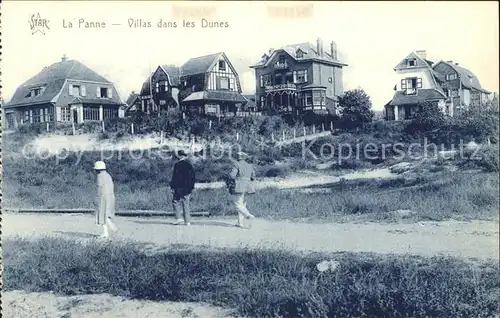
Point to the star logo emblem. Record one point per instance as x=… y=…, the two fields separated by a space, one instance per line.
x=37 y=24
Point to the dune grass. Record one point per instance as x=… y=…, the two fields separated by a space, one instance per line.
x=436 y=196
x=258 y=283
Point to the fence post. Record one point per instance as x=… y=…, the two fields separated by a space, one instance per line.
x=103 y=128
x=237 y=136
x=132 y=128
x=331 y=125
x=304 y=129
x=323 y=127
x=48 y=127
x=314 y=129
x=210 y=124
x=73 y=126
x=284 y=137
x=161 y=137
x=294 y=133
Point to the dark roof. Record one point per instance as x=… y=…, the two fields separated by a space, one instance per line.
x=132 y=99
x=145 y=89
x=422 y=95
x=468 y=79
x=52 y=79
x=310 y=53
x=174 y=74
x=199 y=65
x=103 y=101
x=216 y=96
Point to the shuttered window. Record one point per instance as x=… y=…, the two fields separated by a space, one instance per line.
x=419 y=82
x=403 y=84
x=98 y=92
x=70 y=87
x=261 y=81
x=83 y=90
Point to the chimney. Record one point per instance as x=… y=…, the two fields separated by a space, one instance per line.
x=271 y=50
x=456 y=64
x=450 y=61
x=64 y=58
x=422 y=54
x=333 y=50
x=319 y=46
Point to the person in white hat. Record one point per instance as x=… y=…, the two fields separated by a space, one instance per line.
x=242 y=176
x=106 y=208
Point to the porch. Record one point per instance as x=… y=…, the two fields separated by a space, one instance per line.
x=86 y=110
x=214 y=103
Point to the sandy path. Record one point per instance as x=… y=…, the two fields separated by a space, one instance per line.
x=475 y=239
x=19 y=304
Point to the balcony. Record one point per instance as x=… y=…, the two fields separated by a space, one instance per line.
x=281 y=65
x=280 y=87
x=411 y=91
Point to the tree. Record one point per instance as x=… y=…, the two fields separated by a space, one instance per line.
x=356 y=109
x=428 y=119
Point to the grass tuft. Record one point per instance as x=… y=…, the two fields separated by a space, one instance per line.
x=258 y=283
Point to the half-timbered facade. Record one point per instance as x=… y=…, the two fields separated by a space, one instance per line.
x=211 y=86
x=298 y=79
x=448 y=85
x=63 y=92
x=160 y=91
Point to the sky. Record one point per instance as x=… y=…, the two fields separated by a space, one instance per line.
x=371 y=37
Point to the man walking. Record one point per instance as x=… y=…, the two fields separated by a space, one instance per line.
x=182 y=185
x=106 y=196
x=242 y=175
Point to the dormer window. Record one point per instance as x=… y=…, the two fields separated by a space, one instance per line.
x=35 y=92
x=299 y=53
x=412 y=62
x=222 y=65
x=451 y=77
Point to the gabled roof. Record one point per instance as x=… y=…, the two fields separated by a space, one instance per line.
x=52 y=79
x=468 y=79
x=419 y=62
x=309 y=54
x=422 y=95
x=201 y=64
x=174 y=74
x=132 y=99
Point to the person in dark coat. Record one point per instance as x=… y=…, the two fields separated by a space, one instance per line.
x=182 y=185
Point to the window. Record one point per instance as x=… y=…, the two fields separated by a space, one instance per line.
x=65 y=113
x=447 y=92
x=316 y=98
x=224 y=82
x=451 y=77
x=222 y=65
x=309 y=99
x=34 y=92
x=300 y=76
x=162 y=87
x=90 y=113
x=232 y=84
x=36 y=115
x=265 y=80
x=281 y=62
x=109 y=113
x=104 y=92
x=300 y=53
x=412 y=62
x=76 y=90
x=262 y=101
x=26 y=116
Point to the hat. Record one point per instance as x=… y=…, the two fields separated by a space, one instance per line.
x=100 y=165
x=241 y=155
x=181 y=153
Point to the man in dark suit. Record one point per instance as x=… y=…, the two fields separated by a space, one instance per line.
x=182 y=184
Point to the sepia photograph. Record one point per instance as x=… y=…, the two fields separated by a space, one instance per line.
x=280 y=159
